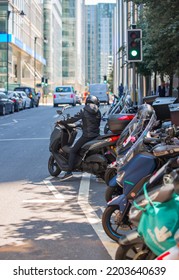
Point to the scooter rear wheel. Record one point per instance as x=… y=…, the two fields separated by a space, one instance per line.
x=112 y=224
x=53 y=168
x=138 y=251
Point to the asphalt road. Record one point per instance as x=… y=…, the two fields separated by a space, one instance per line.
x=41 y=217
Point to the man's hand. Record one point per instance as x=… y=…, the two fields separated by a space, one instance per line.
x=60 y=122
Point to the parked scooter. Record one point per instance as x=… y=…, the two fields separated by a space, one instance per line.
x=123 y=107
x=132 y=245
x=93 y=157
x=131 y=177
x=129 y=136
x=159 y=135
x=116 y=106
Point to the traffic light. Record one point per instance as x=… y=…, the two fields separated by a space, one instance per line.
x=46 y=82
x=134 y=45
x=105 y=79
x=42 y=81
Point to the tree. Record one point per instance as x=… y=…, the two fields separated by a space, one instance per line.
x=159 y=21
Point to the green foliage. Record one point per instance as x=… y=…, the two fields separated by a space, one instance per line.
x=110 y=81
x=159 y=21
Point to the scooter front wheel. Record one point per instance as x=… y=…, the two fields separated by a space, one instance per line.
x=112 y=192
x=53 y=167
x=138 y=251
x=106 y=128
x=109 y=174
x=113 y=226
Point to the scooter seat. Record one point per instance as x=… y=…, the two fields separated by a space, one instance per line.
x=106 y=136
x=100 y=141
x=163 y=150
x=89 y=143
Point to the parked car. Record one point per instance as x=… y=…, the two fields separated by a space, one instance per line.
x=25 y=99
x=31 y=93
x=64 y=95
x=6 y=104
x=18 y=104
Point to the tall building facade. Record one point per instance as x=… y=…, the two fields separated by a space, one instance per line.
x=52 y=11
x=72 y=43
x=21 y=43
x=99 y=42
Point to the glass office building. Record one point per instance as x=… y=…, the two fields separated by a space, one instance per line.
x=73 y=43
x=21 y=43
x=69 y=41
x=52 y=12
x=99 y=42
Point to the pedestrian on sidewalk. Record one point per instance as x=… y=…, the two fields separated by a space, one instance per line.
x=161 y=89
x=39 y=95
x=121 y=90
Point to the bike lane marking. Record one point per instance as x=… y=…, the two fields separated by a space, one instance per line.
x=92 y=217
x=22 y=139
x=12 y=122
x=59 y=197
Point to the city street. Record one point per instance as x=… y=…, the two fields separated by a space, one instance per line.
x=41 y=217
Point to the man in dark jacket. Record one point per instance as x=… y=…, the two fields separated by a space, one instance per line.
x=91 y=118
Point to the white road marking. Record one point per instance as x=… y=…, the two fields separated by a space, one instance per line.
x=54 y=190
x=91 y=216
x=59 y=197
x=89 y=212
x=13 y=121
x=22 y=139
x=43 y=201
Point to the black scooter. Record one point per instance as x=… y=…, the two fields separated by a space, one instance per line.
x=94 y=156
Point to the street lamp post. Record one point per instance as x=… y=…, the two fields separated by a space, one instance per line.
x=7 y=52
x=35 y=44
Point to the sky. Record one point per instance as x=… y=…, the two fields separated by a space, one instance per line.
x=94 y=2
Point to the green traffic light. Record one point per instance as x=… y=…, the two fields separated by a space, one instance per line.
x=134 y=53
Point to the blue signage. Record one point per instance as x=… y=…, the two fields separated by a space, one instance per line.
x=4 y=37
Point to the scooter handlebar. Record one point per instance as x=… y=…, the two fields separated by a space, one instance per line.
x=151 y=140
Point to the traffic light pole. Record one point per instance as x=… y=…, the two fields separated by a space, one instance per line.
x=35 y=44
x=134 y=83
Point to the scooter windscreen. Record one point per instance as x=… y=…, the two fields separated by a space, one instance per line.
x=134 y=134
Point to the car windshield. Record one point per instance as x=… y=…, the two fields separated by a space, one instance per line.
x=20 y=89
x=26 y=90
x=63 y=89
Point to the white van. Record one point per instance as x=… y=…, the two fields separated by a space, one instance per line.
x=64 y=95
x=100 y=91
